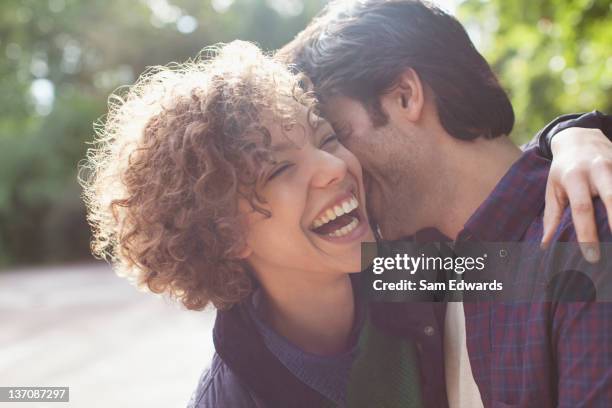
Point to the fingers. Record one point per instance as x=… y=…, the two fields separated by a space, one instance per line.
x=583 y=215
x=581 y=169
x=602 y=184
x=553 y=210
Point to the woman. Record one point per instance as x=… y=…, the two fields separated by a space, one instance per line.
x=215 y=182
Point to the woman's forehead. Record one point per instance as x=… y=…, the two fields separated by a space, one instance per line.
x=294 y=131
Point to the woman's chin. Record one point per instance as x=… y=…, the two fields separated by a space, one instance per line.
x=354 y=262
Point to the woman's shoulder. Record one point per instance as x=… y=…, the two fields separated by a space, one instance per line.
x=220 y=387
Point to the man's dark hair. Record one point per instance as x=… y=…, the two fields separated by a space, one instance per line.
x=360 y=51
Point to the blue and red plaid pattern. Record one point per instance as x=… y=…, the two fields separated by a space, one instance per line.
x=537 y=354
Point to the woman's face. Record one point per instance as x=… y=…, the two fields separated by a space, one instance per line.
x=315 y=194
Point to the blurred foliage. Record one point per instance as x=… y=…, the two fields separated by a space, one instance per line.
x=552 y=56
x=60 y=59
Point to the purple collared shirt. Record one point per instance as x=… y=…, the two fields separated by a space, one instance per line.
x=536 y=354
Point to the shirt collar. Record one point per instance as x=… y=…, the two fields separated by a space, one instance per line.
x=514 y=203
x=328 y=375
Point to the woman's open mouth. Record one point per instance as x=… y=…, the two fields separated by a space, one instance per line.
x=339 y=220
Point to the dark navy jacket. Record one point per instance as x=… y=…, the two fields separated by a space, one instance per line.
x=245 y=373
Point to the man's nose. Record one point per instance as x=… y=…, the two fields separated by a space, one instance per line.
x=328 y=170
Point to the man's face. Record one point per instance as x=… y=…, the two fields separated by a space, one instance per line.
x=391 y=163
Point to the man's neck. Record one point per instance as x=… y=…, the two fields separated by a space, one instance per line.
x=314 y=315
x=460 y=179
x=470 y=172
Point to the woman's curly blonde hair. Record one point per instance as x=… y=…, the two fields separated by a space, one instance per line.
x=169 y=163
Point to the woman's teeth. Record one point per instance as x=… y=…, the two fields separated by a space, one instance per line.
x=338 y=220
x=346 y=229
x=337 y=210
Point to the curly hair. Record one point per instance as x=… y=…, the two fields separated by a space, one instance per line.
x=169 y=163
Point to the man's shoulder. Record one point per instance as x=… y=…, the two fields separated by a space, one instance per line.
x=220 y=387
x=571 y=276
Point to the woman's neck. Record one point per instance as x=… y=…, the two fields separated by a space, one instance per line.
x=317 y=318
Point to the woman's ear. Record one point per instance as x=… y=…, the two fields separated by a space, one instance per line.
x=244 y=253
x=407 y=98
x=245 y=210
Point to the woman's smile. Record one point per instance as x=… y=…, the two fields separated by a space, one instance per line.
x=342 y=220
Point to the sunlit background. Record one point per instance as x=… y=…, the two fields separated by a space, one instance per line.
x=65 y=320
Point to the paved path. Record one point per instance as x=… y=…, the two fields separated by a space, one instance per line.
x=82 y=326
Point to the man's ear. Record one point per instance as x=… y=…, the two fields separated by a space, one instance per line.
x=407 y=98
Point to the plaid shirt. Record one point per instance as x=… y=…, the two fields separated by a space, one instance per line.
x=536 y=354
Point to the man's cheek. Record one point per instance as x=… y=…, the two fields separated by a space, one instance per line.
x=365 y=159
x=367 y=181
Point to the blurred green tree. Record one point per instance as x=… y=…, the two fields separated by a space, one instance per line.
x=60 y=59
x=552 y=56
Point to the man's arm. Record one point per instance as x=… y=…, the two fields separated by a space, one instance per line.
x=591 y=120
x=581 y=169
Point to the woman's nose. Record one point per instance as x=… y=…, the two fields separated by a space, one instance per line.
x=328 y=170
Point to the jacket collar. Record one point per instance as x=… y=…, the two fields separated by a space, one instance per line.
x=241 y=347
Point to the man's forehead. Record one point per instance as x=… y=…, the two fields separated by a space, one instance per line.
x=345 y=113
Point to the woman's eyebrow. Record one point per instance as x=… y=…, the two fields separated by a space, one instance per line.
x=281 y=147
x=342 y=129
x=318 y=122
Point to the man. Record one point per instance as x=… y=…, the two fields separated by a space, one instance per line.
x=409 y=94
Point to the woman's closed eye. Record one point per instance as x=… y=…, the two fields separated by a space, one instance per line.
x=329 y=140
x=278 y=170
